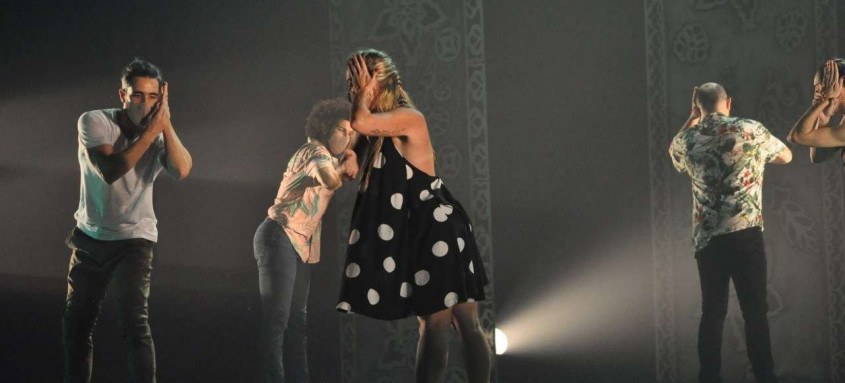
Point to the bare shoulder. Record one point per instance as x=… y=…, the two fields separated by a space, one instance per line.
x=408 y=114
x=411 y=118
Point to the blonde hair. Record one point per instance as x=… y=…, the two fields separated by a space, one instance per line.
x=392 y=95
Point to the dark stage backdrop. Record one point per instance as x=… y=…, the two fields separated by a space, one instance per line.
x=439 y=49
x=551 y=121
x=243 y=77
x=765 y=53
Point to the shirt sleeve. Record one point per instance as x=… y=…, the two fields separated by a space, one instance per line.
x=678 y=152
x=317 y=159
x=770 y=146
x=94 y=129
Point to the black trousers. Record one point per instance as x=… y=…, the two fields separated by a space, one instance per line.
x=93 y=265
x=739 y=256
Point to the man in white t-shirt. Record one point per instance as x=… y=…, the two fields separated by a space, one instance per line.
x=121 y=152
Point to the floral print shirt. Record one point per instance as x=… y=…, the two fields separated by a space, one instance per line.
x=725 y=157
x=301 y=200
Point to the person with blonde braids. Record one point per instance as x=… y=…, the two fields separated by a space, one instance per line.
x=815 y=127
x=411 y=248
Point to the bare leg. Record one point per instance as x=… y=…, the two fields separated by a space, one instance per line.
x=476 y=349
x=433 y=347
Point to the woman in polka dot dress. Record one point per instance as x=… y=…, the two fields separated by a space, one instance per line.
x=411 y=247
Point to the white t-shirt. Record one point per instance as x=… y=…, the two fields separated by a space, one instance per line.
x=123 y=209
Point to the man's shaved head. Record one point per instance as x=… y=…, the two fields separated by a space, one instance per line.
x=708 y=96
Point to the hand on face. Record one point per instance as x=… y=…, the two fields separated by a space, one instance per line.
x=817 y=94
x=832 y=81
x=363 y=83
x=140 y=99
x=159 y=117
x=695 y=111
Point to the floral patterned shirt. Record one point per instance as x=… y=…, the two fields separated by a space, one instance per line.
x=301 y=200
x=725 y=157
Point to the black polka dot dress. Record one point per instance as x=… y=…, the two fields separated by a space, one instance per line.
x=411 y=247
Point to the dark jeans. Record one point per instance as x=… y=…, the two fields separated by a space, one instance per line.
x=739 y=256
x=93 y=264
x=283 y=279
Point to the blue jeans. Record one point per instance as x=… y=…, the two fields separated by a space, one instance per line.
x=283 y=280
x=127 y=264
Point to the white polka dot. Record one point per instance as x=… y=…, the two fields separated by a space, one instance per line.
x=440 y=249
x=385 y=232
x=450 y=299
x=441 y=213
x=408 y=172
x=425 y=195
x=470 y=300
x=354 y=236
x=372 y=297
x=436 y=184
x=461 y=244
x=421 y=278
x=353 y=270
x=396 y=200
x=405 y=290
x=471 y=268
x=344 y=306
x=389 y=264
x=379 y=161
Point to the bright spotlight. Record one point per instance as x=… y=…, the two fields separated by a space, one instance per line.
x=501 y=342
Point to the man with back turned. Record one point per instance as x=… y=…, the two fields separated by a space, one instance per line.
x=725 y=157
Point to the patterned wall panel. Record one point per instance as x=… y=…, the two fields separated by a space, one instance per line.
x=765 y=53
x=439 y=48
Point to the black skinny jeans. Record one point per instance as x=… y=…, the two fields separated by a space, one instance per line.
x=93 y=265
x=739 y=256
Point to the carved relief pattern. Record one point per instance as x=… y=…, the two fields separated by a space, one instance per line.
x=765 y=56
